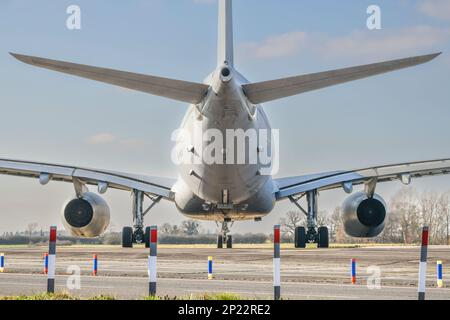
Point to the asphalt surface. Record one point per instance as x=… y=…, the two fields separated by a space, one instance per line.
x=306 y=274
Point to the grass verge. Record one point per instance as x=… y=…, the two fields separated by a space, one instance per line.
x=67 y=297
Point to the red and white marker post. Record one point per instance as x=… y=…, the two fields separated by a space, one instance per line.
x=152 y=271
x=423 y=264
x=51 y=261
x=276 y=263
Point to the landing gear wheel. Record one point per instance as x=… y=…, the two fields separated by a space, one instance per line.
x=229 y=242
x=323 y=238
x=147 y=237
x=127 y=237
x=219 y=241
x=300 y=237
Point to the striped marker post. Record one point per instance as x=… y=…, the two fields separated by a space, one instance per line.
x=440 y=282
x=95 y=265
x=46 y=263
x=210 y=268
x=353 y=271
x=423 y=264
x=276 y=263
x=2 y=262
x=51 y=261
x=152 y=271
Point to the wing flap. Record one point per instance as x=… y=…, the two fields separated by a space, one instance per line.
x=276 y=89
x=184 y=91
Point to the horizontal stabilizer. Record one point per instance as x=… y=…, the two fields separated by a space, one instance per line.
x=173 y=89
x=276 y=89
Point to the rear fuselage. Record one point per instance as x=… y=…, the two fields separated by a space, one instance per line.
x=224 y=151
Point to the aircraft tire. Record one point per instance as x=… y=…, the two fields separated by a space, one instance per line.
x=229 y=242
x=219 y=241
x=324 y=238
x=127 y=237
x=300 y=237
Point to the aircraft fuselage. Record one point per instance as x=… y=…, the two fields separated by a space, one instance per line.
x=215 y=181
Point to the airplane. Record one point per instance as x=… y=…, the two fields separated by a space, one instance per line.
x=225 y=191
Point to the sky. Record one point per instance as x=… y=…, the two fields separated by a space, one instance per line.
x=50 y=117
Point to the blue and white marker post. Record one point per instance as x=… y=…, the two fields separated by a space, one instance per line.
x=152 y=271
x=94 y=265
x=210 y=268
x=276 y=263
x=423 y=264
x=51 y=261
x=440 y=281
x=353 y=271
x=2 y=262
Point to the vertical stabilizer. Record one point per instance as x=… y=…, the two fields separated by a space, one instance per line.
x=225 y=47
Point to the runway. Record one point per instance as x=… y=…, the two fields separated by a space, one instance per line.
x=306 y=274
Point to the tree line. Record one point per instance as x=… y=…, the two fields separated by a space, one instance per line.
x=188 y=232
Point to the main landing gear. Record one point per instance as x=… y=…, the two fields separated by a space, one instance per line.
x=137 y=234
x=311 y=234
x=224 y=238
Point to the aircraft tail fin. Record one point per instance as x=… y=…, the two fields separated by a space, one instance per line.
x=225 y=45
x=169 y=88
x=276 y=89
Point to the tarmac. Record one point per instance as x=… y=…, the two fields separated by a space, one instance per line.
x=383 y=273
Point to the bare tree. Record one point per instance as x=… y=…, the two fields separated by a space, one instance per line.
x=447 y=218
x=167 y=229
x=405 y=217
x=190 y=227
x=336 y=228
x=430 y=214
x=442 y=225
x=323 y=220
x=31 y=228
x=410 y=211
x=291 y=221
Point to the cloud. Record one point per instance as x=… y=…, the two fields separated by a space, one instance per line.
x=278 y=46
x=101 y=138
x=387 y=43
x=439 y=9
x=360 y=43
x=110 y=139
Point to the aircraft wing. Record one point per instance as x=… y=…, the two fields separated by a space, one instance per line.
x=169 y=88
x=122 y=181
x=404 y=172
x=276 y=89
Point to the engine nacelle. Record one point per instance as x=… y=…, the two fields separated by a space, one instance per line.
x=86 y=217
x=364 y=217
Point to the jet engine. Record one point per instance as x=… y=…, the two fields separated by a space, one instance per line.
x=86 y=217
x=364 y=217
